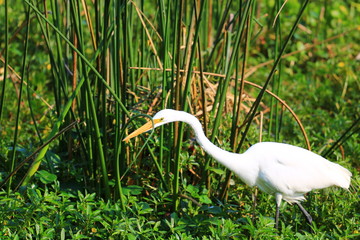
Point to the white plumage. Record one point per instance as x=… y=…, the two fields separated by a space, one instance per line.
x=282 y=170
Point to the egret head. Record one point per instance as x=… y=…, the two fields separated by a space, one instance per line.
x=160 y=118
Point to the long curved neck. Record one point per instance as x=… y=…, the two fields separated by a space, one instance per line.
x=240 y=164
x=222 y=156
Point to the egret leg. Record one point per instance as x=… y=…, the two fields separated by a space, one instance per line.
x=307 y=215
x=278 y=198
x=254 y=195
x=277 y=216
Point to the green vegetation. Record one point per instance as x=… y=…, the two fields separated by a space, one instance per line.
x=81 y=72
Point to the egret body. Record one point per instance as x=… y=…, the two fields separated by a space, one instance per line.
x=287 y=172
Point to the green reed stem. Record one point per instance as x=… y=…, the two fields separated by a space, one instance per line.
x=184 y=103
x=238 y=100
x=13 y=153
x=177 y=130
x=271 y=74
x=347 y=134
x=229 y=71
x=6 y=8
x=67 y=106
x=276 y=83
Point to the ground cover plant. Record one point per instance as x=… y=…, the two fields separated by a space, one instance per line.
x=80 y=75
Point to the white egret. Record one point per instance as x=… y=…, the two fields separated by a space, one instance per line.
x=287 y=172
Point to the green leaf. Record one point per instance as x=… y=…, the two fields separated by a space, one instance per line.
x=132 y=190
x=217 y=170
x=46 y=177
x=204 y=199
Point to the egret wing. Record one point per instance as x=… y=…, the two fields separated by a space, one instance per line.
x=293 y=171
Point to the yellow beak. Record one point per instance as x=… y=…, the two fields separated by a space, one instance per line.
x=146 y=127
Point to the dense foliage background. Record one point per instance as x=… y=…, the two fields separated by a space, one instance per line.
x=80 y=73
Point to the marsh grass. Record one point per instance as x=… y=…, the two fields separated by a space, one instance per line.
x=250 y=71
